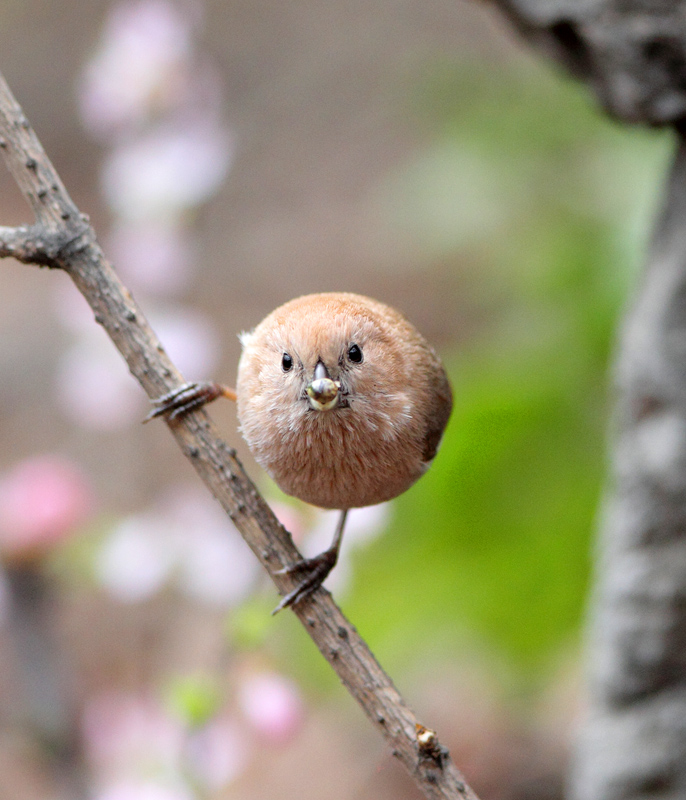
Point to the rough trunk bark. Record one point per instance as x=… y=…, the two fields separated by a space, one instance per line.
x=633 y=744
x=632 y=53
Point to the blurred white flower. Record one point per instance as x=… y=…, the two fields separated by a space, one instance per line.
x=145 y=789
x=189 y=338
x=127 y=734
x=215 y=565
x=362 y=525
x=159 y=103
x=140 y=66
x=218 y=568
x=272 y=704
x=218 y=753
x=94 y=387
x=129 y=737
x=96 y=390
x=136 y=559
x=365 y=524
x=152 y=256
x=168 y=170
x=186 y=537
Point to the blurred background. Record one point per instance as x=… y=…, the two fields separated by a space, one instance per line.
x=233 y=155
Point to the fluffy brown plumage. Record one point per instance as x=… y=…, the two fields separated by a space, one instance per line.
x=341 y=400
x=393 y=405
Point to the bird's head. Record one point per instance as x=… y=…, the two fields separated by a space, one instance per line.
x=318 y=366
x=319 y=354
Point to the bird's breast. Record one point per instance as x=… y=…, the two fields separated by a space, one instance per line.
x=340 y=458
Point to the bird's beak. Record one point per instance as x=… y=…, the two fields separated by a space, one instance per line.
x=323 y=393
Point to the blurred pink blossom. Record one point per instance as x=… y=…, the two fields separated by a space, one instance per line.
x=42 y=501
x=128 y=737
x=215 y=564
x=96 y=390
x=127 y=733
x=153 y=256
x=292 y=518
x=218 y=753
x=140 y=67
x=159 y=104
x=94 y=387
x=272 y=705
x=190 y=338
x=218 y=567
x=168 y=170
x=71 y=308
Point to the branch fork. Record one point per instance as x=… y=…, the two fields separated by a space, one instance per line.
x=33 y=244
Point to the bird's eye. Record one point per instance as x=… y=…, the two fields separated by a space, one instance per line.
x=355 y=354
x=286 y=362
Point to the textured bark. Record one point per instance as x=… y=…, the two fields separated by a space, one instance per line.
x=632 y=53
x=633 y=743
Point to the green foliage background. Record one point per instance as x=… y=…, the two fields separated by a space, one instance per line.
x=549 y=205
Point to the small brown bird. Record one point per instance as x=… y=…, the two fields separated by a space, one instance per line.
x=341 y=400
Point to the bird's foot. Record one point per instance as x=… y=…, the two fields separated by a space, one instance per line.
x=315 y=571
x=188 y=397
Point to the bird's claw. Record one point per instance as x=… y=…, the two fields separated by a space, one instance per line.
x=186 y=398
x=317 y=569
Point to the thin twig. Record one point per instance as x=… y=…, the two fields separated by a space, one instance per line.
x=63 y=238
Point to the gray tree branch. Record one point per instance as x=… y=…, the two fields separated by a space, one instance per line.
x=631 y=53
x=62 y=238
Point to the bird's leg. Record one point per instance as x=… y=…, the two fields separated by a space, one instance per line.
x=316 y=569
x=188 y=397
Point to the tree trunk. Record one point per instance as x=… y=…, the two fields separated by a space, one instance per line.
x=632 y=745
